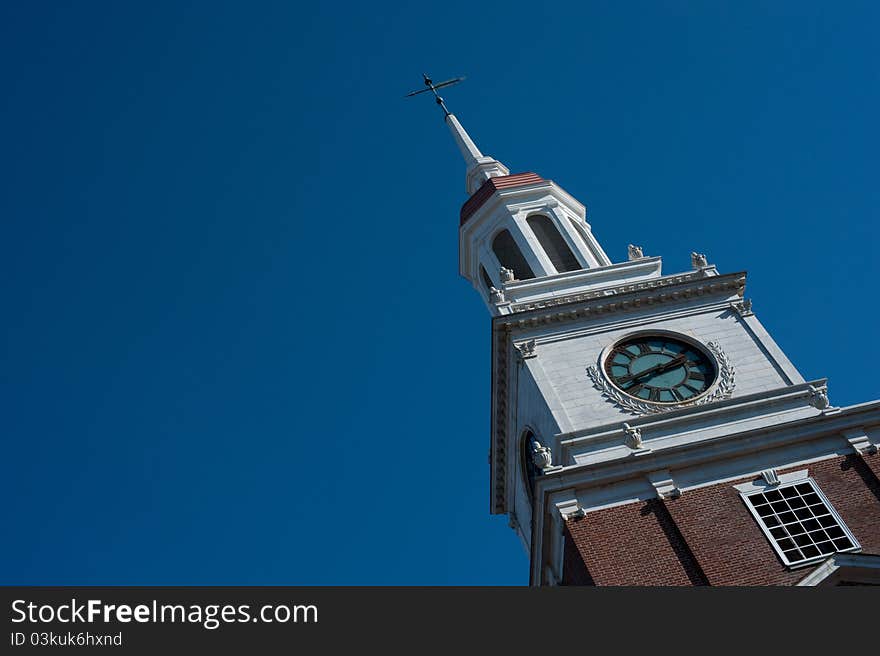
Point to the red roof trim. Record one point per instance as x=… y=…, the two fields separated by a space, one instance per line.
x=492 y=185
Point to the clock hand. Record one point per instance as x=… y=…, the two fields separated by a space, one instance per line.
x=663 y=366
x=674 y=362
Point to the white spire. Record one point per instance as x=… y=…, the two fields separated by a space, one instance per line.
x=479 y=167
x=465 y=144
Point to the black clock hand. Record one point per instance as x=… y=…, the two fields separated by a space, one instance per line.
x=663 y=366
x=674 y=362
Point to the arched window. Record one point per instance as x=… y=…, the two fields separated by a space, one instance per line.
x=486 y=279
x=553 y=244
x=530 y=469
x=510 y=256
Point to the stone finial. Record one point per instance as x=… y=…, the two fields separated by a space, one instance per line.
x=507 y=275
x=541 y=456
x=634 y=252
x=698 y=260
x=819 y=397
x=633 y=436
x=496 y=295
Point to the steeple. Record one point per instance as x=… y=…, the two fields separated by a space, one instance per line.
x=466 y=145
x=519 y=228
x=479 y=167
x=523 y=239
x=645 y=428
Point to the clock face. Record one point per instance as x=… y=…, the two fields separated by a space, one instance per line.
x=659 y=369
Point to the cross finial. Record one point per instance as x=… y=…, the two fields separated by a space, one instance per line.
x=479 y=167
x=429 y=83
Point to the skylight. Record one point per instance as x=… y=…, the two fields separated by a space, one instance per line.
x=800 y=523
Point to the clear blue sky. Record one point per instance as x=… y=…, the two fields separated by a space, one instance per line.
x=236 y=348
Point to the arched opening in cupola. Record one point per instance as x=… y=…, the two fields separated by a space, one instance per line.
x=510 y=256
x=553 y=243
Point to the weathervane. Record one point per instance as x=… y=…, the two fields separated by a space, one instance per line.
x=433 y=87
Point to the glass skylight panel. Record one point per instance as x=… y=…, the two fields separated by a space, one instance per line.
x=801 y=524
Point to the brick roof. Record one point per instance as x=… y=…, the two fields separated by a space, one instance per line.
x=492 y=185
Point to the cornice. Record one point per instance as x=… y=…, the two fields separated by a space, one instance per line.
x=625 y=321
x=623 y=297
x=680 y=420
x=582 y=281
x=720 y=447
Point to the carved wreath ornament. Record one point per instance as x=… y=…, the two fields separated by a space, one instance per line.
x=724 y=387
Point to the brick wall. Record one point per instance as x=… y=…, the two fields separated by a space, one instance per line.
x=635 y=544
x=708 y=536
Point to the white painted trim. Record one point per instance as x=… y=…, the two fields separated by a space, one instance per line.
x=760 y=485
x=622 y=296
x=562 y=506
x=824 y=431
x=663 y=484
x=638 y=489
x=860 y=442
x=869 y=564
x=629 y=322
x=589 y=279
x=578 y=246
x=678 y=420
x=583 y=230
x=774 y=353
x=533 y=253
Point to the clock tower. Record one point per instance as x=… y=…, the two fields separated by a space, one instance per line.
x=645 y=427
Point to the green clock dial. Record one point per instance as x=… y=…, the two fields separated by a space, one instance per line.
x=659 y=369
